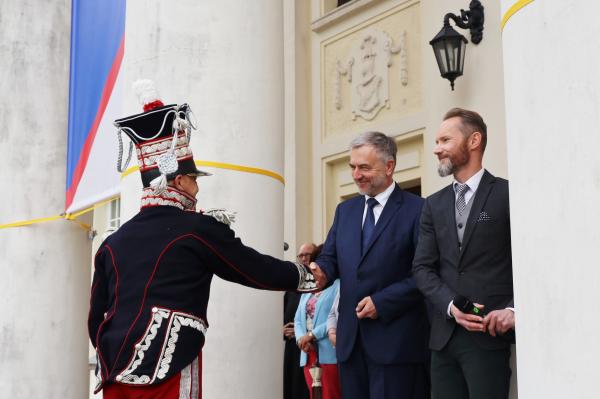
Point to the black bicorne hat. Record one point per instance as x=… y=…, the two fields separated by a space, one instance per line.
x=161 y=136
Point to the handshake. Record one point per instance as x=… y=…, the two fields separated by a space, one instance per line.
x=319 y=276
x=312 y=278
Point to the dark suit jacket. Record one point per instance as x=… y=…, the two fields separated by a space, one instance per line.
x=151 y=287
x=400 y=333
x=480 y=271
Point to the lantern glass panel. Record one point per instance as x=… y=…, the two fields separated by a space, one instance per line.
x=439 y=50
x=456 y=54
x=463 y=47
x=452 y=55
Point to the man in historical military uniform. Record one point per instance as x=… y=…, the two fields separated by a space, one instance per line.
x=152 y=276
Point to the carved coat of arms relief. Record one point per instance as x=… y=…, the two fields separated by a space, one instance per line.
x=367 y=71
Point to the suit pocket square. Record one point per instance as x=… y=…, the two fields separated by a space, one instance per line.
x=484 y=217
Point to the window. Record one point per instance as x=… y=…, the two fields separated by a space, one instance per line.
x=114 y=215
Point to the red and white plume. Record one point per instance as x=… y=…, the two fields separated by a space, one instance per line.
x=147 y=94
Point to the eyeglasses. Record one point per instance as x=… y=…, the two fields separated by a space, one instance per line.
x=303 y=255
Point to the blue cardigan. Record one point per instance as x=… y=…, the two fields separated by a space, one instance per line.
x=323 y=306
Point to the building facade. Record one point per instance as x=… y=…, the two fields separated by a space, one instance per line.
x=279 y=88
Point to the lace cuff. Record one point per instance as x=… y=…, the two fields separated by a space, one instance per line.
x=307 y=281
x=222 y=215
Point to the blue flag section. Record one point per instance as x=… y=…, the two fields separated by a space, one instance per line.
x=97 y=48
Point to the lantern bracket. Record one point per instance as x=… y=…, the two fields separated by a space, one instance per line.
x=469 y=19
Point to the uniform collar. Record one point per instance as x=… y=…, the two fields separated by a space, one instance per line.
x=170 y=197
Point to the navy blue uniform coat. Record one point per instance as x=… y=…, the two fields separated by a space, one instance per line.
x=151 y=287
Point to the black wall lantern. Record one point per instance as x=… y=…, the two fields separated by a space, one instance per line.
x=449 y=46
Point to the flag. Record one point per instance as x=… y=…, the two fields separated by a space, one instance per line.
x=97 y=48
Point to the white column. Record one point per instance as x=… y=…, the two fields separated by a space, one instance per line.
x=44 y=267
x=225 y=58
x=551 y=64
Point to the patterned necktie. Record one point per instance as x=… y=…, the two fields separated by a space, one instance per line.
x=461 y=189
x=369 y=224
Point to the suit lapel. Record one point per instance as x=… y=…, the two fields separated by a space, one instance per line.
x=481 y=196
x=389 y=210
x=355 y=229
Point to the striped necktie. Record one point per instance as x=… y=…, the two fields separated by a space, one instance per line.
x=369 y=224
x=461 y=189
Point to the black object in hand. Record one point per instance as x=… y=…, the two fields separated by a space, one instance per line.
x=466 y=306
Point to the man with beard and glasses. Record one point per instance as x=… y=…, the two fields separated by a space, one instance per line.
x=463 y=267
x=382 y=328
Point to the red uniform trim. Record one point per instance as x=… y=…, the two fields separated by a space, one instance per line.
x=150 y=320
x=104 y=368
x=146 y=168
x=168 y=389
x=186 y=314
x=94 y=286
x=231 y=265
x=145 y=143
x=148 y=143
x=169 y=245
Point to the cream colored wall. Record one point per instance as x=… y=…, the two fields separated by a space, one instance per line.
x=337 y=37
x=420 y=104
x=480 y=88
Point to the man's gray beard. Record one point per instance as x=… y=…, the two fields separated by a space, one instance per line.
x=445 y=169
x=377 y=183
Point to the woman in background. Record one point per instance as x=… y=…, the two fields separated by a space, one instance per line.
x=294 y=384
x=310 y=326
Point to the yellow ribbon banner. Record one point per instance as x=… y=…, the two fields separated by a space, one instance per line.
x=513 y=10
x=223 y=165
x=72 y=217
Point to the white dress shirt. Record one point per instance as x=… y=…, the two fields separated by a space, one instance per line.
x=472 y=183
x=382 y=198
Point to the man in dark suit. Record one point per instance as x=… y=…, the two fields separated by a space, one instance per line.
x=382 y=327
x=464 y=254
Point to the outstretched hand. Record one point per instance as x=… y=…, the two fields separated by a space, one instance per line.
x=318 y=274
